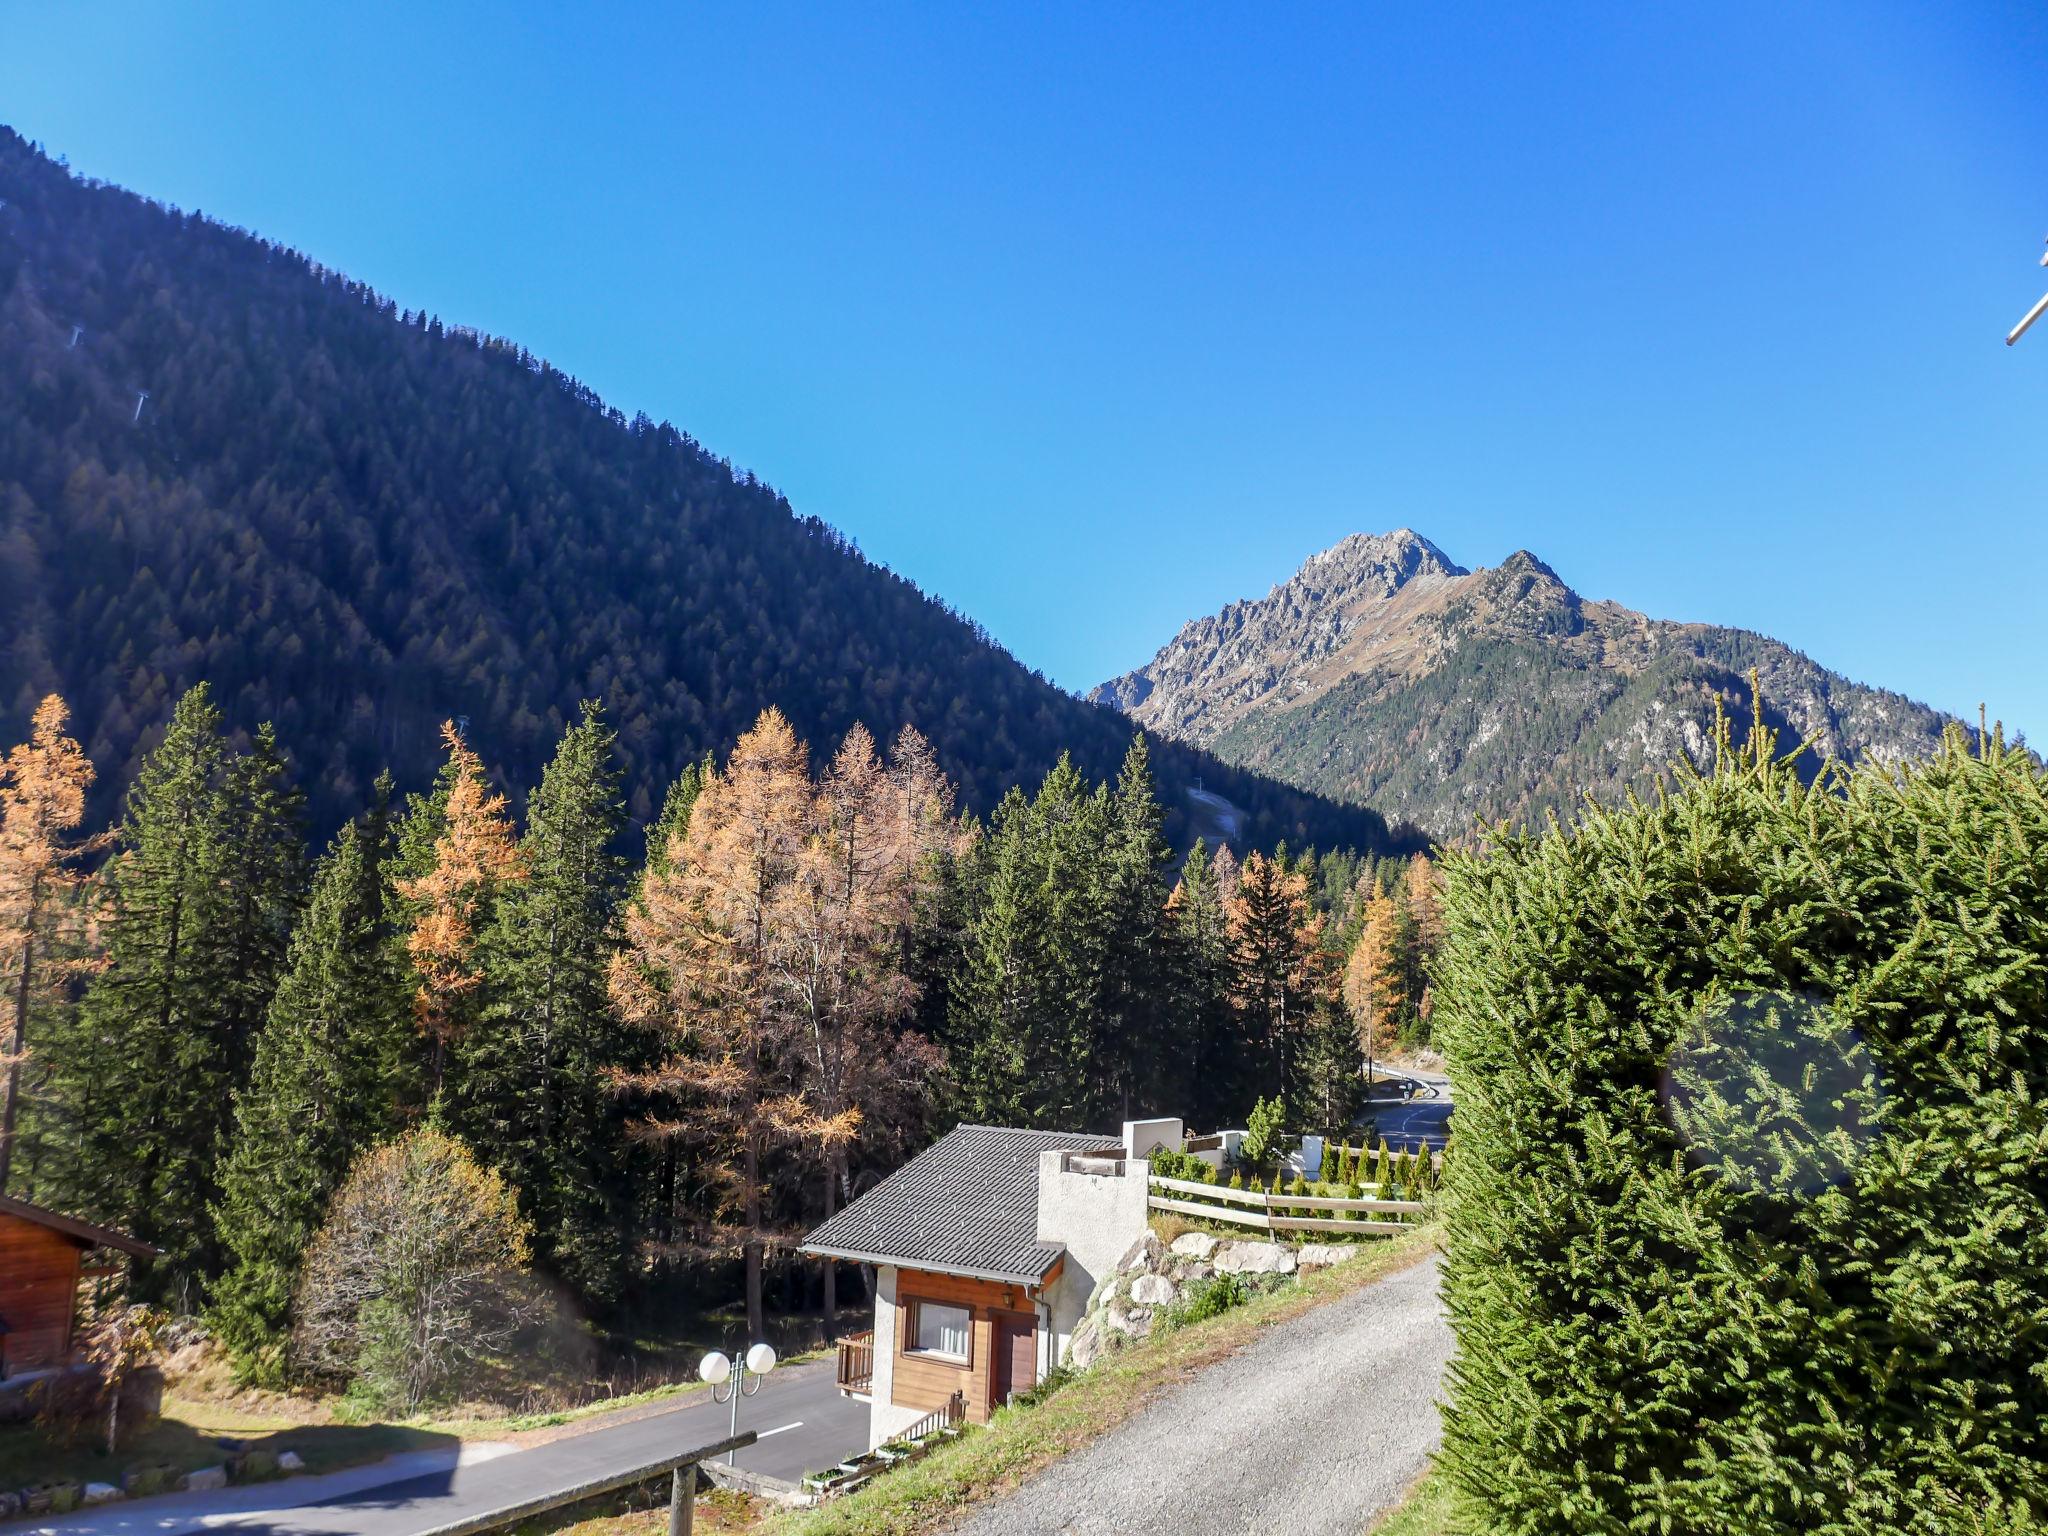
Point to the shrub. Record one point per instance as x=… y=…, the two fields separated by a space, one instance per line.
x=1237 y=1178
x=1207 y=1298
x=1748 y=1225
x=1260 y=1148
x=1182 y=1165
x=419 y=1271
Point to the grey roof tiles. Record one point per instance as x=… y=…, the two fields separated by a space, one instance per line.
x=967 y=1204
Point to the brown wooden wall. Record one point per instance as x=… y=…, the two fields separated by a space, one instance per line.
x=923 y=1382
x=38 y=1293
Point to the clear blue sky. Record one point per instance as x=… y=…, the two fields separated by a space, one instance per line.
x=1093 y=318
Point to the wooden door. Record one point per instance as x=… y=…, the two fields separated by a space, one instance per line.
x=1015 y=1366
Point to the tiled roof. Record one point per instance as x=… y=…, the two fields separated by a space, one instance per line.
x=967 y=1205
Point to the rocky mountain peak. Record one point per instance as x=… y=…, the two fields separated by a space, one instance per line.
x=1369 y=564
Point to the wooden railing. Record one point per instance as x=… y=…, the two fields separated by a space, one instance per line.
x=1256 y=1208
x=945 y=1416
x=857 y=1362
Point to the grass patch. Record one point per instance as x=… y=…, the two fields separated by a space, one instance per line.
x=1430 y=1509
x=27 y=1456
x=1019 y=1441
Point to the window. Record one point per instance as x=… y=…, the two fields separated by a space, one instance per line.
x=937 y=1329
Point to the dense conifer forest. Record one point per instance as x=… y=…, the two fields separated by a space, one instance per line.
x=222 y=462
x=663 y=1069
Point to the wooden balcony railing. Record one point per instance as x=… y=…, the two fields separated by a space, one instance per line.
x=857 y=1363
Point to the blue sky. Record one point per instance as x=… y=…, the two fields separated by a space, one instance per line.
x=1094 y=318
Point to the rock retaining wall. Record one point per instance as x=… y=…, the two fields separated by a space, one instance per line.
x=1152 y=1276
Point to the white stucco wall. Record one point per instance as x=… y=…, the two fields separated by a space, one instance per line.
x=1144 y=1137
x=886 y=1419
x=1097 y=1217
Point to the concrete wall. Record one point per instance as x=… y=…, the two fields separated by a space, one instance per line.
x=1097 y=1217
x=1144 y=1137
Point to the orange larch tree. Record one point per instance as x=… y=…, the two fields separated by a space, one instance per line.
x=474 y=855
x=700 y=966
x=1373 y=990
x=43 y=784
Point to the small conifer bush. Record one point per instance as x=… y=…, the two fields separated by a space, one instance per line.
x=1748 y=1224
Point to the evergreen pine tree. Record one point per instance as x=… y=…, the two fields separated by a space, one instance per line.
x=1132 y=1037
x=162 y=1039
x=995 y=1000
x=317 y=1095
x=1209 y=1073
x=531 y=1082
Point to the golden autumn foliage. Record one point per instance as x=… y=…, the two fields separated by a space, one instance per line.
x=43 y=785
x=474 y=855
x=1373 y=991
x=767 y=950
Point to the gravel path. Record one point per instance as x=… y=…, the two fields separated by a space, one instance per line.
x=1317 y=1427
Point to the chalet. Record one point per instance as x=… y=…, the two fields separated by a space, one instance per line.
x=42 y=1257
x=985 y=1248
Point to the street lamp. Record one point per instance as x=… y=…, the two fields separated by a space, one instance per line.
x=2031 y=316
x=730 y=1380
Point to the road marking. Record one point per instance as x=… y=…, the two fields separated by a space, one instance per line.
x=778 y=1429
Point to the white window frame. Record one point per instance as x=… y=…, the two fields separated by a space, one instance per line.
x=916 y=1320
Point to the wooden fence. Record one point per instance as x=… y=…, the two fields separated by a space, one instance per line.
x=1256 y=1208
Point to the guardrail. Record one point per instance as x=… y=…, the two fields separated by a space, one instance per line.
x=1219 y=1202
x=682 y=1492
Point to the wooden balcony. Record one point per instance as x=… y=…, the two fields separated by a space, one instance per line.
x=857 y=1363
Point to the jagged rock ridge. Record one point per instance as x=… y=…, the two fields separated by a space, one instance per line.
x=1385 y=673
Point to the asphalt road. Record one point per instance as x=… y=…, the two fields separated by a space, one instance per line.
x=1316 y=1428
x=803 y=1422
x=1401 y=1123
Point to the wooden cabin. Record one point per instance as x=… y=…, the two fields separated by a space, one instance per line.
x=985 y=1248
x=43 y=1255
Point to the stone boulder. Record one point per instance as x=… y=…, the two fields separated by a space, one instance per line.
x=1136 y=1323
x=1314 y=1256
x=1195 y=1245
x=290 y=1461
x=1086 y=1343
x=204 y=1479
x=100 y=1493
x=1146 y=1253
x=1152 y=1291
x=1255 y=1259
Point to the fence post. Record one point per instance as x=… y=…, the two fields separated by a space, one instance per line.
x=682 y=1500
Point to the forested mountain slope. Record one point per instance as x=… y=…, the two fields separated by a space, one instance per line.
x=356 y=522
x=1384 y=673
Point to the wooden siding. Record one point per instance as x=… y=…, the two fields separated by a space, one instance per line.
x=38 y=1293
x=924 y=1381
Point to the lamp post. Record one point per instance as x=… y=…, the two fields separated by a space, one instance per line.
x=730 y=1379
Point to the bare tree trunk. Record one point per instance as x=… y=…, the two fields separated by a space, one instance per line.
x=20 y=1044
x=755 y=1320
x=831 y=1302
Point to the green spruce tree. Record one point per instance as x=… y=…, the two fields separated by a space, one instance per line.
x=532 y=1087
x=1133 y=1038
x=318 y=1094
x=164 y=1029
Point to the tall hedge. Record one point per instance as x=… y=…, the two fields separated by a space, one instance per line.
x=1746 y=1227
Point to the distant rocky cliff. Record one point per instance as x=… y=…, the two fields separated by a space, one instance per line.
x=1384 y=673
